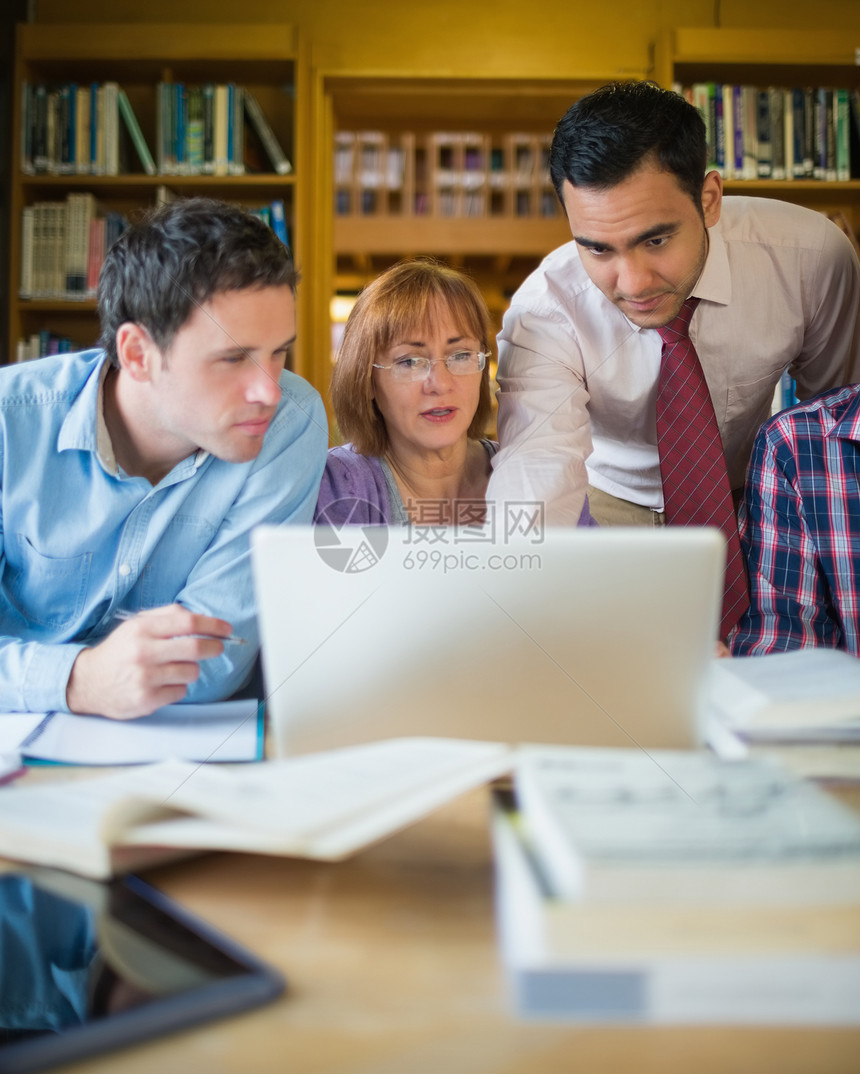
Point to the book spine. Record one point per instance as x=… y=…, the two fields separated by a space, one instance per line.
x=763 y=130
x=776 y=118
x=25 y=148
x=95 y=254
x=279 y=221
x=719 y=130
x=179 y=128
x=194 y=130
x=237 y=132
x=110 y=110
x=95 y=97
x=40 y=129
x=65 y=161
x=788 y=133
x=275 y=152
x=798 y=126
x=221 y=125
x=164 y=137
x=738 y=130
x=82 y=130
x=25 y=286
x=136 y=134
x=231 y=98
x=208 y=100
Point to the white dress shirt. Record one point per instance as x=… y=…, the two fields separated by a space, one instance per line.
x=780 y=290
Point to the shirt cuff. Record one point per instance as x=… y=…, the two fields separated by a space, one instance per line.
x=47 y=676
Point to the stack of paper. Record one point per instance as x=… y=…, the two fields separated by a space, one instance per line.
x=223 y=731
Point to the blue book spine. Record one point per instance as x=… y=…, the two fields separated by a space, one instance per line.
x=279 y=221
x=738 y=112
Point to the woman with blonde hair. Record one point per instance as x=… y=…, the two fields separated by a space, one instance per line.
x=411 y=397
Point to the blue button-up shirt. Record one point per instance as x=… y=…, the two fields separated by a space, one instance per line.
x=82 y=540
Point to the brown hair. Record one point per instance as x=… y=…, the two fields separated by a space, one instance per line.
x=403 y=298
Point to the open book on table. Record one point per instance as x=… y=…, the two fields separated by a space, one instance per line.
x=323 y=805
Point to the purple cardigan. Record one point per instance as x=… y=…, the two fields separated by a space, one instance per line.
x=353 y=490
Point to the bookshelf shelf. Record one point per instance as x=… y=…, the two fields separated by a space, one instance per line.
x=449 y=236
x=264 y=59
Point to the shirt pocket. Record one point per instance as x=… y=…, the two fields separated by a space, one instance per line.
x=48 y=591
x=178 y=551
x=747 y=406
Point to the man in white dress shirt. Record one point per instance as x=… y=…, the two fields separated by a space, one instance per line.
x=579 y=354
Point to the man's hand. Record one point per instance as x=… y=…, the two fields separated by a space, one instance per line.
x=144 y=663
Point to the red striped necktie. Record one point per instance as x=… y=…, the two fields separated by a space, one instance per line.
x=696 y=489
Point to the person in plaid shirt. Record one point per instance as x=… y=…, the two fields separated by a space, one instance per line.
x=800 y=529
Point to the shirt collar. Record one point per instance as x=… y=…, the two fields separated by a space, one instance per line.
x=715 y=282
x=848 y=426
x=85 y=428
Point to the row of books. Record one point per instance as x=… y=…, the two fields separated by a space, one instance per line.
x=43 y=344
x=443 y=173
x=72 y=129
x=773 y=132
x=63 y=244
x=199 y=130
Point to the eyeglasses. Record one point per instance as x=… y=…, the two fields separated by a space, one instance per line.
x=417 y=367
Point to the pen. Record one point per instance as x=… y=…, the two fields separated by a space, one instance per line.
x=233 y=639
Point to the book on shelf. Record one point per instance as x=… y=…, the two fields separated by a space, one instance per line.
x=325 y=805
x=83 y=145
x=135 y=133
x=26 y=284
x=96 y=249
x=777 y=119
x=110 y=127
x=277 y=157
x=671 y=959
x=810 y=695
x=80 y=211
x=194 y=132
x=278 y=222
x=220 y=124
x=236 y=130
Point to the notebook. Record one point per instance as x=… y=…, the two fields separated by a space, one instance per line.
x=598 y=637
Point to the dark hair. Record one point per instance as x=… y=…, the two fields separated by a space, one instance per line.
x=177 y=257
x=605 y=137
x=405 y=297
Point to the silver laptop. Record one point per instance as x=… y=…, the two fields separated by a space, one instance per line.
x=585 y=637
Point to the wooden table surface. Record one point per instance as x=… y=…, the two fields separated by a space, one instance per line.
x=393 y=969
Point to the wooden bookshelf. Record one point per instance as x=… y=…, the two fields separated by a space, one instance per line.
x=765 y=58
x=467 y=182
x=264 y=58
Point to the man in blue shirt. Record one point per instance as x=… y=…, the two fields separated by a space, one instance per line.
x=132 y=475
